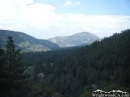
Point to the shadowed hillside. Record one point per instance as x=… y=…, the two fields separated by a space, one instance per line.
x=25 y=42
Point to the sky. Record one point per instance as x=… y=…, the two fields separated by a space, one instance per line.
x=45 y=19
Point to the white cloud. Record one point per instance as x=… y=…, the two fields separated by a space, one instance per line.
x=67 y=3
x=100 y=25
x=39 y=14
x=41 y=21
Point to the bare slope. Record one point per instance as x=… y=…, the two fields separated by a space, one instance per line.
x=75 y=40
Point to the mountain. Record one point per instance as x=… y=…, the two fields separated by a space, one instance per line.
x=25 y=42
x=75 y=40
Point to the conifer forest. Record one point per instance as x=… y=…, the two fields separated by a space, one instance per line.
x=66 y=72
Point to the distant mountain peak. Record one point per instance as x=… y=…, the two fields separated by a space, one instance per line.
x=75 y=40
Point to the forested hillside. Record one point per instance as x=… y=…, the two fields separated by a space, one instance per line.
x=26 y=43
x=76 y=72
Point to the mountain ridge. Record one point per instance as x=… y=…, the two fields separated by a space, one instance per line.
x=26 y=42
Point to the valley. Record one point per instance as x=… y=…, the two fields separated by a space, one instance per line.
x=77 y=71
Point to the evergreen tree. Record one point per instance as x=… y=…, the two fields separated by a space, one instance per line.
x=18 y=77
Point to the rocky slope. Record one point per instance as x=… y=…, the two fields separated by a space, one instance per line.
x=75 y=40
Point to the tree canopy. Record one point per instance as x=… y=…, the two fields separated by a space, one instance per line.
x=75 y=71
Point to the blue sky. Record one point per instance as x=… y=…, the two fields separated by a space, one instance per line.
x=50 y=18
x=91 y=7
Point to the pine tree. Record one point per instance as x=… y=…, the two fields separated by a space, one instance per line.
x=18 y=78
x=10 y=52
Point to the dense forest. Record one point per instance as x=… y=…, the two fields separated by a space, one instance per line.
x=70 y=72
